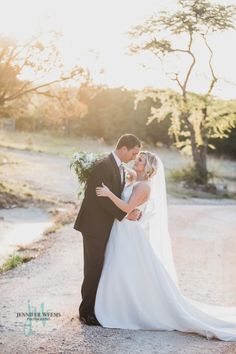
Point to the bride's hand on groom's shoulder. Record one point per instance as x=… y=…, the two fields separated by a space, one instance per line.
x=103 y=191
x=135 y=215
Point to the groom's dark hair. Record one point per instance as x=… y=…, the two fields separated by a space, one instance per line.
x=128 y=140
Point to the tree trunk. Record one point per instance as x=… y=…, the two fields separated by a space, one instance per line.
x=199 y=152
x=200 y=161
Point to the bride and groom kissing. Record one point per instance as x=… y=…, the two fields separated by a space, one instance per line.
x=130 y=280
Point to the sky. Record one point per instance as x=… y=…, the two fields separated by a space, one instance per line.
x=93 y=35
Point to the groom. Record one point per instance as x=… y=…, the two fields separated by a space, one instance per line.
x=97 y=215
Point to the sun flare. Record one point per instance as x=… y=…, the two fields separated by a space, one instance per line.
x=93 y=34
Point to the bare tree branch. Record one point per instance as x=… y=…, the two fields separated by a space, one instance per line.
x=176 y=78
x=214 y=78
x=191 y=66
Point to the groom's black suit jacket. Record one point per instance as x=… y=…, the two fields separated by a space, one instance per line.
x=97 y=214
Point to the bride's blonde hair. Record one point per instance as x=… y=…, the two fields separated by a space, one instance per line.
x=151 y=165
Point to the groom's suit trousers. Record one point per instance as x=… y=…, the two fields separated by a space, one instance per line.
x=94 y=249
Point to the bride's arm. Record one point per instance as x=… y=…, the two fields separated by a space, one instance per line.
x=139 y=195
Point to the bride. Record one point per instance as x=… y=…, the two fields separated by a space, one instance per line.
x=138 y=288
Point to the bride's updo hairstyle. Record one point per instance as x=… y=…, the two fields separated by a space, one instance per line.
x=150 y=168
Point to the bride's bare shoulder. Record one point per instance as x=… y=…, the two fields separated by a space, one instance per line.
x=142 y=187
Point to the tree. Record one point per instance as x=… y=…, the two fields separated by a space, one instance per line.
x=58 y=113
x=37 y=57
x=194 y=118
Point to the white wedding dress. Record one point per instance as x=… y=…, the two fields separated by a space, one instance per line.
x=137 y=292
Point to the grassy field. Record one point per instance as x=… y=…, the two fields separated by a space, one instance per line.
x=224 y=169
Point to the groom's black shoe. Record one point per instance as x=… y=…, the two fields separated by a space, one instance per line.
x=89 y=320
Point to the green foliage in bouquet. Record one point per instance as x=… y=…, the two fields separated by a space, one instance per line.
x=83 y=164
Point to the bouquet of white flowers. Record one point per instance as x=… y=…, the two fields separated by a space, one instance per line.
x=83 y=164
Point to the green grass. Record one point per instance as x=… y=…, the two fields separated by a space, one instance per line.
x=14 y=261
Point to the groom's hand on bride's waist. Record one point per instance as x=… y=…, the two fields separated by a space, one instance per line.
x=134 y=215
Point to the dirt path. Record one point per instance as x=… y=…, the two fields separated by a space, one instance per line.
x=204 y=244
x=47 y=174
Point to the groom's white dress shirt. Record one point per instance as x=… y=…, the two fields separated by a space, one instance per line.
x=119 y=164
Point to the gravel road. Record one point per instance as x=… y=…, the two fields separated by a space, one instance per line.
x=204 y=244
